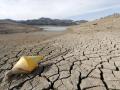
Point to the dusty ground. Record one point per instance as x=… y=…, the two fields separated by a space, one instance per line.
x=87 y=58
x=9 y=42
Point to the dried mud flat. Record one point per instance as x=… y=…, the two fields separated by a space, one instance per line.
x=87 y=58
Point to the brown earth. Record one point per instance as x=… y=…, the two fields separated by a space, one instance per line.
x=10 y=27
x=86 y=58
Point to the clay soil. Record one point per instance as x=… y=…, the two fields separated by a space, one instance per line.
x=85 y=58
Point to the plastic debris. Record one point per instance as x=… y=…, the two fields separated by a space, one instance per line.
x=26 y=64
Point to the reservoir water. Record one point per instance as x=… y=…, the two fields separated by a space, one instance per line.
x=54 y=28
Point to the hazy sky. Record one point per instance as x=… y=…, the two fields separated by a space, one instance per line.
x=62 y=9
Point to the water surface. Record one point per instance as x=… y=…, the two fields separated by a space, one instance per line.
x=54 y=28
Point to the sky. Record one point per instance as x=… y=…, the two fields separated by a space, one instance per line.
x=61 y=9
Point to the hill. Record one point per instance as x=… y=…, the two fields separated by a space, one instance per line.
x=110 y=23
x=9 y=26
x=48 y=21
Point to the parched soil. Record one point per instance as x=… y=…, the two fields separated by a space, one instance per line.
x=73 y=61
x=79 y=60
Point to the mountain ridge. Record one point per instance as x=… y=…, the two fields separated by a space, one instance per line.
x=49 y=21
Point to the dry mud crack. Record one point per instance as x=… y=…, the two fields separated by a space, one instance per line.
x=74 y=61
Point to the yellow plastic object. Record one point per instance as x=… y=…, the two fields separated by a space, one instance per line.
x=26 y=64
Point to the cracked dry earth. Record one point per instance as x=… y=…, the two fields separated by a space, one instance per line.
x=74 y=61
